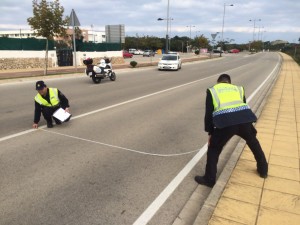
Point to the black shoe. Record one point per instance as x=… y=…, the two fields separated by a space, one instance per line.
x=263 y=171
x=49 y=124
x=263 y=175
x=203 y=181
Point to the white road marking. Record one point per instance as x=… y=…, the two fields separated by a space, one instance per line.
x=146 y=216
x=110 y=107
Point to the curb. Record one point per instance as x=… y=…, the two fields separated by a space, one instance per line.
x=195 y=214
x=63 y=70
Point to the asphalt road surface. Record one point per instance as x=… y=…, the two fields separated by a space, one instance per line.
x=129 y=153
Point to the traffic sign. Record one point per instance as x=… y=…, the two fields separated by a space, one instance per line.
x=73 y=19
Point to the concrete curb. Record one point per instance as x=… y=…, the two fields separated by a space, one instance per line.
x=70 y=69
x=193 y=213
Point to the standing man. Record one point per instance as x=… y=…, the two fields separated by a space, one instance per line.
x=227 y=114
x=47 y=101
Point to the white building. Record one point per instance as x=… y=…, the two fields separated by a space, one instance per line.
x=92 y=36
x=18 y=34
x=96 y=36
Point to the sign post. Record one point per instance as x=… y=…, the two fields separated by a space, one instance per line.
x=74 y=22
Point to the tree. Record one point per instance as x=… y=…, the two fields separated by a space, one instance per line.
x=48 y=22
x=201 y=42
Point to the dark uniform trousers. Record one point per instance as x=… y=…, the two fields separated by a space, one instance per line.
x=221 y=136
x=48 y=112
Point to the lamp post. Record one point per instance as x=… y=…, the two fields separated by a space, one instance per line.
x=222 y=39
x=92 y=26
x=260 y=32
x=167 y=35
x=254 y=20
x=190 y=26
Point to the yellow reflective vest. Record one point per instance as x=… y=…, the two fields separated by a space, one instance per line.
x=227 y=96
x=229 y=106
x=54 y=100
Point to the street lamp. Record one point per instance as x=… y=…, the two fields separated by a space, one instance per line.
x=260 y=33
x=167 y=19
x=254 y=20
x=223 y=23
x=167 y=35
x=190 y=26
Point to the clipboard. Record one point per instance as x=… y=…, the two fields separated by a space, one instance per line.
x=61 y=115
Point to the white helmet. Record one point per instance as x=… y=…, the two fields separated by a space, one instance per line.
x=102 y=61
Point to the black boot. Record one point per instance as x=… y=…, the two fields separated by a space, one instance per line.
x=49 y=124
x=262 y=169
x=204 y=181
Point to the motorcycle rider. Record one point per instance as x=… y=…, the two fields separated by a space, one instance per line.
x=102 y=65
x=97 y=69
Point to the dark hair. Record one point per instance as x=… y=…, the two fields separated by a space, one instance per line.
x=224 y=78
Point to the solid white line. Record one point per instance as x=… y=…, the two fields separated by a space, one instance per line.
x=110 y=107
x=165 y=194
x=146 y=216
x=139 y=98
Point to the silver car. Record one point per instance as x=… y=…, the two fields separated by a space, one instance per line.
x=148 y=53
x=170 y=62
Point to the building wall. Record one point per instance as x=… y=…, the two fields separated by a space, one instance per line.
x=35 y=59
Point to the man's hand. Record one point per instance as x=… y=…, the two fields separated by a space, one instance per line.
x=67 y=110
x=35 y=126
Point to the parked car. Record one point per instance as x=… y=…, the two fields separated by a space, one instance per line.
x=234 y=51
x=148 y=53
x=217 y=51
x=131 y=50
x=138 y=52
x=127 y=54
x=170 y=62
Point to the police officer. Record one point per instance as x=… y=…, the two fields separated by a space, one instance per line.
x=227 y=114
x=47 y=101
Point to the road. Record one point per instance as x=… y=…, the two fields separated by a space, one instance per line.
x=124 y=149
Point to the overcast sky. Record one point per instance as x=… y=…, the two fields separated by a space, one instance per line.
x=274 y=19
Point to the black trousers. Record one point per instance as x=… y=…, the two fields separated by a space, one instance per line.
x=221 y=136
x=48 y=112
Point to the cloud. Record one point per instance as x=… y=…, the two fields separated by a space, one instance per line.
x=278 y=18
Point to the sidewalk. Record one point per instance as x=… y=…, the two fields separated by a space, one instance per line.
x=249 y=199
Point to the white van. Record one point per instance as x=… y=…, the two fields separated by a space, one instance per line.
x=131 y=50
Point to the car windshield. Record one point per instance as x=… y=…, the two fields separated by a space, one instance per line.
x=169 y=57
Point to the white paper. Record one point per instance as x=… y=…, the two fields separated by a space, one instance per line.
x=61 y=114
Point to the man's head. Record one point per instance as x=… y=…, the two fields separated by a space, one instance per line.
x=224 y=78
x=41 y=87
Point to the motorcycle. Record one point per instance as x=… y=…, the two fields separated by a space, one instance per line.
x=99 y=72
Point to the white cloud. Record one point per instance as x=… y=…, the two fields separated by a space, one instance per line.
x=278 y=18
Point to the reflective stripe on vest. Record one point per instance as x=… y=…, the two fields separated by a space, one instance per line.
x=226 y=96
x=54 y=100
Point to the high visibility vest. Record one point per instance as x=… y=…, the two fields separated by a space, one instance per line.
x=54 y=100
x=227 y=97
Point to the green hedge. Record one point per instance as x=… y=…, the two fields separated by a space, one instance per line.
x=293 y=51
x=34 y=44
x=25 y=44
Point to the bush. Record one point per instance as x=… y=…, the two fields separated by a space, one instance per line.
x=197 y=52
x=133 y=63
